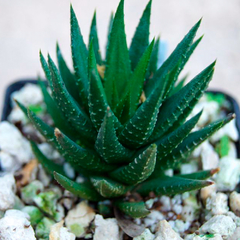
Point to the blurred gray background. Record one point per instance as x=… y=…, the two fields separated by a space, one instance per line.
x=27 y=26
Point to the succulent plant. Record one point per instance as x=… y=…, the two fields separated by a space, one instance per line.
x=122 y=122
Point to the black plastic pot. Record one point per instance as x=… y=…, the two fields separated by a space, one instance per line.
x=19 y=84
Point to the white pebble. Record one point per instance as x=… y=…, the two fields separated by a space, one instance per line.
x=189 y=213
x=209 y=157
x=219 y=224
x=58 y=232
x=207 y=191
x=15 y=225
x=30 y=94
x=235 y=202
x=79 y=218
x=13 y=143
x=152 y=219
x=106 y=229
x=166 y=203
x=146 y=235
x=7 y=192
x=217 y=203
x=229 y=174
x=236 y=234
x=165 y=232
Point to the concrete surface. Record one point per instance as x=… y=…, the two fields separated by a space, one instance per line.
x=28 y=25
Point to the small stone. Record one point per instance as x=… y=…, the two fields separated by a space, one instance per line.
x=31 y=190
x=47 y=202
x=217 y=203
x=43 y=177
x=43 y=228
x=35 y=214
x=235 y=218
x=79 y=218
x=209 y=157
x=146 y=235
x=219 y=224
x=235 y=202
x=164 y=231
x=30 y=94
x=106 y=229
x=189 y=213
x=13 y=143
x=208 y=237
x=152 y=219
x=166 y=203
x=190 y=167
x=49 y=151
x=180 y=226
x=69 y=170
x=7 y=192
x=229 y=174
x=16 y=226
x=17 y=115
x=236 y=234
x=68 y=199
x=207 y=191
x=58 y=232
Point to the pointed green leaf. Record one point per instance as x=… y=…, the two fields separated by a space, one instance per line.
x=178 y=86
x=183 y=61
x=93 y=36
x=67 y=76
x=173 y=139
x=177 y=55
x=189 y=144
x=140 y=127
x=53 y=110
x=45 y=68
x=77 y=119
x=82 y=157
x=42 y=127
x=97 y=98
x=109 y=188
x=170 y=186
x=118 y=64
x=178 y=106
x=152 y=67
x=140 y=39
x=139 y=169
x=133 y=209
x=79 y=57
x=201 y=175
x=137 y=79
x=109 y=31
x=48 y=164
x=107 y=144
x=83 y=190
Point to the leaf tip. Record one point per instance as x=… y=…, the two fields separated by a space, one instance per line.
x=215 y=170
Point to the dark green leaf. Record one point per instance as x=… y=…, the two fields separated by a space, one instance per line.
x=152 y=67
x=133 y=209
x=178 y=106
x=201 y=175
x=118 y=64
x=67 y=76
x=170 y=186
x=173 y=139
x=109 y=188
x=107 y=144
x=79 y=156
x=140 y=39
x=48 y=164
x=77 y=119
x=140 y=127
x=83 y=190
x=177 y=55
x=139 y=169
x=178 y=86
x=93 y=36
x=79 y=57
x=189 y=144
